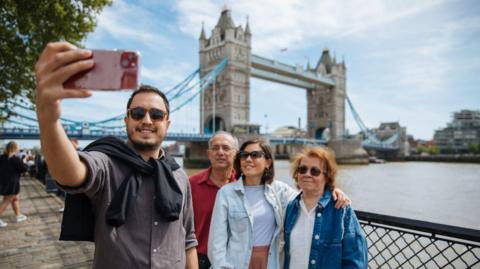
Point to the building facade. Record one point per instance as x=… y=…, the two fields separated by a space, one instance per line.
x=460 y=134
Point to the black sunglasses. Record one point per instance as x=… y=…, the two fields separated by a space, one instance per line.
x=138 y=113
x=254 y=154
x=314 y=171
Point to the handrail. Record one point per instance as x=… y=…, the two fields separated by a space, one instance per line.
x=424 y=226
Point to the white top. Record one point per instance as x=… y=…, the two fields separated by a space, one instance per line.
x=263 y=215
x=301 y=237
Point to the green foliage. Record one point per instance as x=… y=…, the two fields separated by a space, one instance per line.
x=27 y=26
x=432 y=150
x=421 y=149
x=448 y=150
x=474 y=148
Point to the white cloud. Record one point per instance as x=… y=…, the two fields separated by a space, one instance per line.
x=127 y=21
x=296 y=24
x=168 y=73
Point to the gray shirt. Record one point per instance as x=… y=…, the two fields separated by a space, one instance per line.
x=146 y=240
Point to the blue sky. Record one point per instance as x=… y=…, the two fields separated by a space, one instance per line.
x=414 y=62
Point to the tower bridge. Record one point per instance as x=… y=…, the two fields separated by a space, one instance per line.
x=226 y=66
x=229 y=110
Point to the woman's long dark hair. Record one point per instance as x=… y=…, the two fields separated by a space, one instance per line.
x=269 y=173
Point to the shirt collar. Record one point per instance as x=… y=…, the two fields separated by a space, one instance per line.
x=206 y=179
x=322 y=203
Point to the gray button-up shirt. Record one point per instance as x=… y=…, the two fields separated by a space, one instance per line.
x=146 y=240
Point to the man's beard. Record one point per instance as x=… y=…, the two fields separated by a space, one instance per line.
x=142 y=146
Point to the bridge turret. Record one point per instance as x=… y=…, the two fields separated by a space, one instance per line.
x=202 y=33
x=248 y=34
x=325 y=61
x=326 y=105
x=231 y=103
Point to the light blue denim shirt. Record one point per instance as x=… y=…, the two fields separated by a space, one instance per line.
x=230 y=240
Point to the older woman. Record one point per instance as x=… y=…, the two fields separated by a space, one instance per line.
x=248 y=214
x=317 y=235
x=11 y=167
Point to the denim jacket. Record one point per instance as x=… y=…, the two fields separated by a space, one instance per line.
x=337 y=240
x=230 y=240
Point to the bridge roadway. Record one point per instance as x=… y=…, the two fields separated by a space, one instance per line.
x=34 y=243
x=34 y=134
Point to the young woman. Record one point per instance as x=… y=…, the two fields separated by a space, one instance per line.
x=11 y=167
x=248 y=214
x=317 y=235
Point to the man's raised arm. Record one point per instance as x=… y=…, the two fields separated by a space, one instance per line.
x=56 y=64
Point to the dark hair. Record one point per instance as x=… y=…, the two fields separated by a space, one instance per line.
x=269 y=173
x=147 y=88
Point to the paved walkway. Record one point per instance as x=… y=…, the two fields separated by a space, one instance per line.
x=34 y=243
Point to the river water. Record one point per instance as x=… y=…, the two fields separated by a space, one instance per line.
x=446 y=193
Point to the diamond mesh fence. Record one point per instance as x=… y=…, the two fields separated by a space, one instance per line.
x=404 y=243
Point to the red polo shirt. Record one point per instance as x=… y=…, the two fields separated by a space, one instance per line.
x=204 y=192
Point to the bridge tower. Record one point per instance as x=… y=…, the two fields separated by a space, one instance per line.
x=326 y=105
x=232 y=102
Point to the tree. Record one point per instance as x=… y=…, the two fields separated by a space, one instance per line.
x=26 y=27
x=434 y=150
x=474 y=148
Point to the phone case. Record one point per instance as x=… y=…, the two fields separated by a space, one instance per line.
x=113 y=70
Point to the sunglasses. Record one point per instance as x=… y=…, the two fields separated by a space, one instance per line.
x=254 y=154
x=314 y=171
x=138 y=113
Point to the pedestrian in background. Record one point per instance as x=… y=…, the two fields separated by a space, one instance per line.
x=11 y=167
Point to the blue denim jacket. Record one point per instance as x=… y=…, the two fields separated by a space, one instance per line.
x=230 y=240
x=337 y=240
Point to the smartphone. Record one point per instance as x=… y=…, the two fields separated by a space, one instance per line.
x=113 y=70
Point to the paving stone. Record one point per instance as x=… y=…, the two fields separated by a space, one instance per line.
x=34 y=243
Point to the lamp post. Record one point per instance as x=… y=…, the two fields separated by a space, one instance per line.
x=266 y=123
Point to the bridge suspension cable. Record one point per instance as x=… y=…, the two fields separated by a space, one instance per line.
x=185 y=89
x=371 y=137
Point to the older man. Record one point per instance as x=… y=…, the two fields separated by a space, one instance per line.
x=221 y=151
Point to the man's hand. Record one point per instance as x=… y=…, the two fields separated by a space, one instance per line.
x=58 y=62
x=341 y=198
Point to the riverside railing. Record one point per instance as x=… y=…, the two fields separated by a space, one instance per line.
x=395 y=242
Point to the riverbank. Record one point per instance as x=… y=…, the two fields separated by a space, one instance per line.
x=448 y=158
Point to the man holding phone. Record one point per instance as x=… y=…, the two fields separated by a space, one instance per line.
x=141 y=201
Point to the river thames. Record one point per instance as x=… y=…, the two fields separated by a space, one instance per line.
x=446 y=193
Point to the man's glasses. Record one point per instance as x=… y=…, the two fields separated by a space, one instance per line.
x=314 y=171
x=254 y=154
x=138 y=113
x=217 y=148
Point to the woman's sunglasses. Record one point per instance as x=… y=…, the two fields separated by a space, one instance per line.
x=138 y=113
x=314 y=171
x=254 y=154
